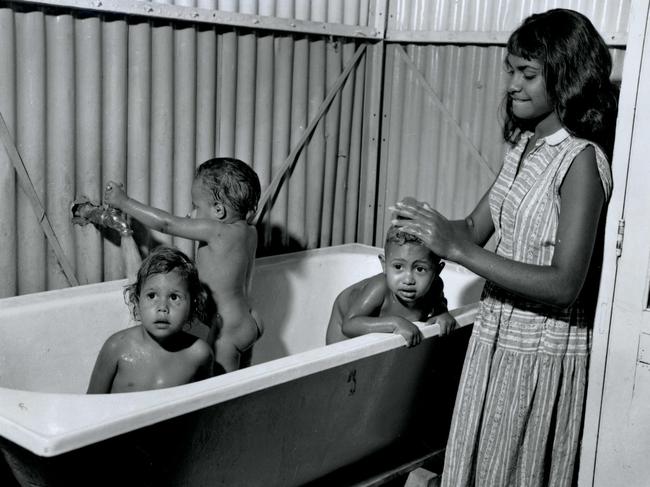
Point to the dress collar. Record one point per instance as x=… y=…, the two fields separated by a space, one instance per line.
x=557 y=137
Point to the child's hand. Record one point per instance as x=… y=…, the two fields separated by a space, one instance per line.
x=408 y=330
x=114 y=194
x=446 y=322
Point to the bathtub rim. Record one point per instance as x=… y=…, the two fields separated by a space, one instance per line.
x=6 y=304
x=31 y=419
x=78 y=292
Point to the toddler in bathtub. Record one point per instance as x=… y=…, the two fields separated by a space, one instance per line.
x=165 y=298
x=225 y=193
x=409 y=289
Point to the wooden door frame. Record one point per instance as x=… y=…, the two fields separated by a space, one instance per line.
x=638 y=40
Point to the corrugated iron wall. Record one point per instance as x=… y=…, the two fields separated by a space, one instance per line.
x=609 y=16
x=91 y=96
x=444 y=82
x=143 y=92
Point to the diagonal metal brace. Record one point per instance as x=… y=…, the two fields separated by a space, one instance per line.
x=28 y=187
x=273 y=188
x=449 y=116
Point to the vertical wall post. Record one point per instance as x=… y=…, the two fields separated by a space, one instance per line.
x=372 y=131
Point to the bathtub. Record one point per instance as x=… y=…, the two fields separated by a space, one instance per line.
x=301 y=413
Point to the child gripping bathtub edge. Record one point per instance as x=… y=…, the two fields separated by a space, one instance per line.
x=408 y=289
x=165 y=297
x=225 y=193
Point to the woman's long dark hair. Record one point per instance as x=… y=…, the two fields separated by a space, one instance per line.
x=577 y=66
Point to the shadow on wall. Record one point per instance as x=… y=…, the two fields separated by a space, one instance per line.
x=275 y=240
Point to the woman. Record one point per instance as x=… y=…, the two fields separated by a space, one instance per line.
x=518 y=414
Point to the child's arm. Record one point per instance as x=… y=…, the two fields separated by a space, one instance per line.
x=101 y=380
x=131 y=256
x=445 y=321
x=362 y=317
x=157 y=219
x=440 y=313
x=130 y=252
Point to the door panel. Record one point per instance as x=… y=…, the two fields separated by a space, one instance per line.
x=623 y=448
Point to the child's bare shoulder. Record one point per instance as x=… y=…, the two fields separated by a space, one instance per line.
x=122 y=340
x=374 y=285
x=200 y=349
x=194 y=347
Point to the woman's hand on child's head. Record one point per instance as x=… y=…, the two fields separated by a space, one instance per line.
x=114 y=193
x=445 y=321
x=422 y=221
x=407 y=201
x=408 y=330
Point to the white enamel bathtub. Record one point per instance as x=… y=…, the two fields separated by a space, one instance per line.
x=301 y=412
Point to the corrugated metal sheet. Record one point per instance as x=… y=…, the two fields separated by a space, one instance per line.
x=441 y=141
x=93 y=97
x=497 y=15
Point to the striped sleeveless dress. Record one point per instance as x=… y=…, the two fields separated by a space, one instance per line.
x=518 y=411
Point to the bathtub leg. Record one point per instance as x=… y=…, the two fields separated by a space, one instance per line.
x=421 y=477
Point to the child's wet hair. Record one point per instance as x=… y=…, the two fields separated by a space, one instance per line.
x=576 y=65
x=163 y=260
x=395 y=236
x=232 y=182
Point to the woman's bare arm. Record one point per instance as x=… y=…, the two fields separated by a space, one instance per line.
x=557 y=285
